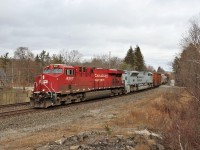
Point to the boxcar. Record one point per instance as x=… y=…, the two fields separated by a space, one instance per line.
x=156 y=79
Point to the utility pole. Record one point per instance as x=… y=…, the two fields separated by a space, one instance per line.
x=12 y=72
x=109 y=58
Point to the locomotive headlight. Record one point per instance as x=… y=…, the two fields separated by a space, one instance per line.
x=43 y=90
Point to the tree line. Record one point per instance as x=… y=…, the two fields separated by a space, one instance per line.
x=186 y=65
x=186 y=69
x=24 y=65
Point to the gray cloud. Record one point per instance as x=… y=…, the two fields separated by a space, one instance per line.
x=97 y=26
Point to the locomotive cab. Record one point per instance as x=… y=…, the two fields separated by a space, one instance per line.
x=48 y=85
x=47 y=80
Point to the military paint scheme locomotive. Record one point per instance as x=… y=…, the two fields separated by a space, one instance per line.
x=63 y=84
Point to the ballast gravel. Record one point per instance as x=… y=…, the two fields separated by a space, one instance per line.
x=17 y=127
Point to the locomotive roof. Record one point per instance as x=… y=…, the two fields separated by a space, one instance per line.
x=60 y=65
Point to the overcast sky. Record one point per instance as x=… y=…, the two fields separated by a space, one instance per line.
x=95 y=27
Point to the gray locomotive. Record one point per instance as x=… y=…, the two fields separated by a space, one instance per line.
x=137 y=80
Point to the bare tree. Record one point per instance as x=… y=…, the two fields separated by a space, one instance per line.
x=23 y=57
x=187 y=66
x=23 y=53
x=100 y=61
x=115 y=62
x=192 y=35
x=150 y=68
x=71 y=57
x=57 y=59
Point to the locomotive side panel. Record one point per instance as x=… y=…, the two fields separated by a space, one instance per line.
x=135 y=80
x=84 y=79
x=144 y=78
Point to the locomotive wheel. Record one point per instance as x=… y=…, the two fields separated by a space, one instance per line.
x=46 y=104
x=78 y=99
x=32 y=103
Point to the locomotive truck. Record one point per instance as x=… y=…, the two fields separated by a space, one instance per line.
x=62 y=84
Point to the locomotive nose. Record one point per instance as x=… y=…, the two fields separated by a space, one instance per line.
x=45 y=83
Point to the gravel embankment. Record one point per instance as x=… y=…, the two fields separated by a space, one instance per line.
x=14 y=108
x=16 y=128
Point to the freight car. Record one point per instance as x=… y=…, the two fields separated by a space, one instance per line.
x=62 y=84
x=165 y=78
x=156 y=79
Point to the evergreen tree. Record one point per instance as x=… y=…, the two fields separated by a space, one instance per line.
x=160 y=70
x=140 y=60
x=4 y=61
x=37 y=59
x=130 y=58
x=134 y=61
x=42 y=60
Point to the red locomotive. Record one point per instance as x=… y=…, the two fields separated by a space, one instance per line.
x=60 y=83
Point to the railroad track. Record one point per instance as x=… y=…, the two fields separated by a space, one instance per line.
x=18 y=112
x=14 y=105
x=34 y=110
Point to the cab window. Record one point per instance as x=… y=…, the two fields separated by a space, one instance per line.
x=70 y=72
x=84 y=69
x=46 y=71
x=57 y=70
x=134 y=74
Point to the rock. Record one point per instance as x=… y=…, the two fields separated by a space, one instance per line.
x=96 y=140
x=52 y=143
x=129 y=148
x=52 y=147
x=70 y=140
x=130 y=143
x=74 y=147
x=160 y=147
x=82 y=136
x=119 y=136
x=61 y=141
x=140 y=139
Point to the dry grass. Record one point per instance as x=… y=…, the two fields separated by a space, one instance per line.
x=169 y=112
x=173 y=113
x=10 y=96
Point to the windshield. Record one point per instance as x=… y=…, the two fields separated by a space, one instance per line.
x=55 y=70
x=134 y=74
x=46 y=71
